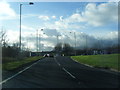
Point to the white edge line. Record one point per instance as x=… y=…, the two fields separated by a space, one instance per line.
x=18 y=73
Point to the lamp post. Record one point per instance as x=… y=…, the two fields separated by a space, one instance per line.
x=75 y=41
x=58 y=38
x=57 y=44
x=67 y=39
x=31 y=3
x=86 y=45
x=37 y=41
x=40 y=39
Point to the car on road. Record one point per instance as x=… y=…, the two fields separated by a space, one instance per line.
x=46 y=55
x=51 y=55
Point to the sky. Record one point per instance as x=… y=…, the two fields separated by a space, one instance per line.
x=98 y=21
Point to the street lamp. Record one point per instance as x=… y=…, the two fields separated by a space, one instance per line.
x=31 y=3
x=37 y=40
x=40 y=40
x=58 y=38
x=86 y=41
x=86 y=45
x=75 y=41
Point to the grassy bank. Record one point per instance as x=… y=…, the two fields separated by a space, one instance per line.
x=101 y=61
x=16 y=64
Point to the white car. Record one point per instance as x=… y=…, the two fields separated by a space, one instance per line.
x=46 y=55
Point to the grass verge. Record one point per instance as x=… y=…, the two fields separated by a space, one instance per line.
x=109 y=61
x=15 y=64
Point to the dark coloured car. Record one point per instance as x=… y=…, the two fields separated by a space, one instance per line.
x=51 y=55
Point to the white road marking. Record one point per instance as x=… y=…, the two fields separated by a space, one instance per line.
x=65 y=69
x=57 y=62
x=69 y=73
x=18 y=73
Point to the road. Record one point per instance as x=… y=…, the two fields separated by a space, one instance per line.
x=61 y=72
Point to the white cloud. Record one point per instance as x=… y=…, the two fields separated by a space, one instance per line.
x=75 y=18
x=31 y=46
x=62 y=25
x=6 y=12
x=53 y=17
x=61 y=18
x=51 y=39
x=112 y=35
x=113 y=0
x=51 y=32
x=12 y=35
x=45 y=18
x=94 y=15
x=48 y=44
x=27 y=28
x=100 y=15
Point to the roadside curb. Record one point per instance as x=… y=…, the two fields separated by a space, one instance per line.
x=82 y=63
x=113 y=70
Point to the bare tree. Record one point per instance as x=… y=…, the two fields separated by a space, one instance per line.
x=58 y=47
x=65 y=48
x=3 y=38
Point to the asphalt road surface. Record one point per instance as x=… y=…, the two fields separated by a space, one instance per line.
x=61 y=72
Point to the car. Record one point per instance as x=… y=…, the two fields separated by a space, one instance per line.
x=51 y=55
x=46 y=55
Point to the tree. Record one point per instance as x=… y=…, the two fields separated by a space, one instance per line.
x=63 y=48
x=67 y=49
x=3 y=38
x=58 y=47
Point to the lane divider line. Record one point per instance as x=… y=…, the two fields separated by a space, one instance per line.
x=65 y=69
x=69 y=73
x=57 y=62
x=18 y=73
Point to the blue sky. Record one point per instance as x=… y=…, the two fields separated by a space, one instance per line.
x=45 y=8
x=97 y=19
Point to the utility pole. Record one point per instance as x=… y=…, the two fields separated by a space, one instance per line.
x=75 y=41
x=67 y=39
x=37 y=41
x=20 y=27
x=58 y=38
x=31 y=3
x=86 y=44
x=40 y=46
